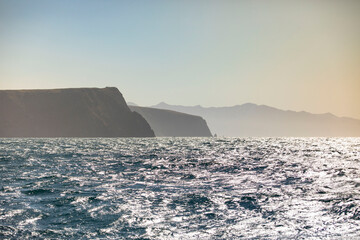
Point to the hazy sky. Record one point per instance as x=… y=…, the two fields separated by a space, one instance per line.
x=297 y=55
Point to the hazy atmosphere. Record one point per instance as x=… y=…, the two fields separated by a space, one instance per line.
x=297 y=55
x=179 y=119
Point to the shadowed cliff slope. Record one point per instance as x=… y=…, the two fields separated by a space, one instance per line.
x=77 y=112
x=251 y=120
x=167 y=123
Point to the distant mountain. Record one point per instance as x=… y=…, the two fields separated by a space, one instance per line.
x=262 y=121
x=74 y=112
x=166 y=123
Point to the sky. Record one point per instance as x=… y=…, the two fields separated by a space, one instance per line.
x=293 y=55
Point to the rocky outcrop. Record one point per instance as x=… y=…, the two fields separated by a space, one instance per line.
x=167 y=123
x=77 y=112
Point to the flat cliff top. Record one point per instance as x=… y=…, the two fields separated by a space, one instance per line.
x=72 y=112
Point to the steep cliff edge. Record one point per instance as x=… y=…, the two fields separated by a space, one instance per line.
x=166 y=123
x=74 y=112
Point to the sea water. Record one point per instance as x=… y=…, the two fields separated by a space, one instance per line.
x=180 y=188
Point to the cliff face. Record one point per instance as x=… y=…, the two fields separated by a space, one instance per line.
x=167 y=123
x=78 y=112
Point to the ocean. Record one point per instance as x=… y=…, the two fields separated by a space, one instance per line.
x=180 y=188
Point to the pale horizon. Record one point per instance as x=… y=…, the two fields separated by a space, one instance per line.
x=291 y=55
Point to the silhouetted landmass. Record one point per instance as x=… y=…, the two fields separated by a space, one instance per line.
x=262 y=121
x=131 y=104
x=78 y=112
x=166 y=123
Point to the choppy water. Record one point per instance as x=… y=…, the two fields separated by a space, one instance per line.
x=180 y=188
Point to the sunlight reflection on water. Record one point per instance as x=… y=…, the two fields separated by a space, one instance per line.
x=174 y=188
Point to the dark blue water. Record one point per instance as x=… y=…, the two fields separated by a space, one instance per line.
x=180 y=188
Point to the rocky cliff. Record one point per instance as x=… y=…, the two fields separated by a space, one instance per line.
x=78 y=112
x=166 y=123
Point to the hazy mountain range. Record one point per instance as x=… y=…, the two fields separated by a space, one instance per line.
x=103 y=112
x=264 y=121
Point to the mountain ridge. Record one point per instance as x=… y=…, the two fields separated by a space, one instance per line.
x=250 y=119
x=164 y=104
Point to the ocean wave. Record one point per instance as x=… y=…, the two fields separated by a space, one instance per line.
x=180 y=188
